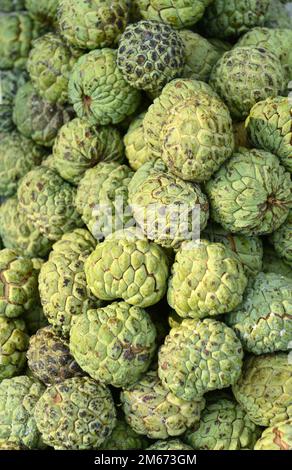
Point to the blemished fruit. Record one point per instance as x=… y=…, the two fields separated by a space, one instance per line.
x=277 y=437
x=13 y=346
x=77 y=403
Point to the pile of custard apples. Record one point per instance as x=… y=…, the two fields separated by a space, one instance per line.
x=146 y=225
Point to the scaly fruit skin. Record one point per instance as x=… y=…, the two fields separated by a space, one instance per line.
x=77 y=414
x=153 y=411
x=49 y=65
x=170 y=444
x=150 y=54
x=11 y=445
x=273 y=264
x=165 y=208
x=98 y=90
x=62 y=284
x=233 y=18
x=246 y=75
x=12 y=5
x=269 y=128
x=48 y=202
x=264 y=389
x=124 y=437
x=102 y=196
x=10 y=81
x=135 y=145
x=49 y=358
x=92 y=24
x=128 y=267
x=18 y=283
x=16 y=38
x=13 y=346
x=249 y=250
x=277 y=41
x=178 y=14
x=44 y=11
x=207 y=279
x=174 y=93
x=201 y=56
x=251 y=194
x=19 y=234
x=224 y=425
x=18 y=398
x=18 y=155
x=282 y=240
x=79 y=146
x=277 y=437
x=199 y=356
x=263 y=322
x=277 y=15
x=190 y=128
x=36 y=118
x=114 y=344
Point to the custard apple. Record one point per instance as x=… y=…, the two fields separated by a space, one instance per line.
x=11 y=445
x=207 y=279
x=127 y=266
x=114 y=344
x=153 y=411
x=282 y=240
x=62 y=284
x=16 y=35
x=170 y=444
x=124 y=437
x=277 y=15
x=277 y=437
x=251 y=194
x=102 y=196
x=80 y=146
x=18 y=398
x=92 y=24
x=135 y=145
x=48 y=202
x=150 y=54
x=98 y=90
x=265 y=387
x=246 y=75
x=199 y=356
x=44 y=11
x=12 y=5
x=269 y=128
x=77 y=414
x=10 y=81
x=13 y=346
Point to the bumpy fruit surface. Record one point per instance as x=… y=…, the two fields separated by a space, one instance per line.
x=269 y=128
x=48 y=202
x=170 y=444
x=249 y=250
x=44 y=11
x=18 y=155
x=19 y=234
x=49 y=65
x=233 y=18
x=102 y=196
x=114 y=344
x=18 y=398
x=166 y=208
x=16 y=37
x=36 y=118
x=98 y=90
x=124 y=437
x=12 y=5
x=62 y=284
x=150 y=55
x=135 y=145
x=10 y=82
x=282 y=240
x=153 y=411
x=199 y=356
x=128 y=266
x=190 y=128
x=11 y=445
x=224 y=425
x=76 y=404
x=272 y=263
x=251 y=194
x=92 y=24
x=277 y=437
x=13 y=346
x=79 y=146
x=49 y=358
x=263 y=321
x=246 y=75
x=277 y=15
x=18 y=283
x=264 y=389
x=201 y=56
x=207 y=279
